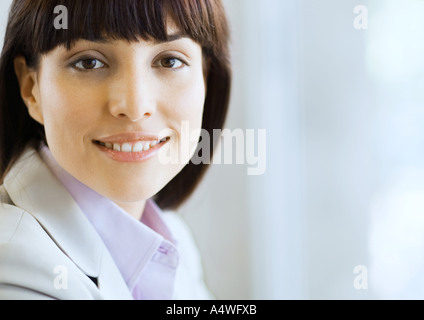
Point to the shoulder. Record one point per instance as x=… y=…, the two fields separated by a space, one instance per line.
x=10 y=217
x=22 y=254
x=30 y=261
x=14 y=220
x=190 y=283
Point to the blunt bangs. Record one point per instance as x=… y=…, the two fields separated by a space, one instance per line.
x=130 y=20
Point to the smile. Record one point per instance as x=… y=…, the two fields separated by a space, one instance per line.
x=134 y=147
x=130 y=151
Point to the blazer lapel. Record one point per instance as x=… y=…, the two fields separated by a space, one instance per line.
x=33 y=187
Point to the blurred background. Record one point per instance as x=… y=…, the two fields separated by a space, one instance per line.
x=339 y=211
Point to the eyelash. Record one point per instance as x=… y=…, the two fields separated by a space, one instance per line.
x=80 y=60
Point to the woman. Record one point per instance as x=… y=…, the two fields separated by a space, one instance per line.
x=87 y=114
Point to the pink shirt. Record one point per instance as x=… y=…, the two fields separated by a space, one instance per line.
x=144 y=251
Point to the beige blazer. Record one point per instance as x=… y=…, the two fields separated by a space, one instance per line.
x=49 y=249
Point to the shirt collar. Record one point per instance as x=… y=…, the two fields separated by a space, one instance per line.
x=131 y=243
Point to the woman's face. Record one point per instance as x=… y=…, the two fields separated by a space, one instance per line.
x=103 y=104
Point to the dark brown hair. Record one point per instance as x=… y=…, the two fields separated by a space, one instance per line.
x=30 y=32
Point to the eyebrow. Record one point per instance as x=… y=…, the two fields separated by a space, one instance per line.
x=172 y=37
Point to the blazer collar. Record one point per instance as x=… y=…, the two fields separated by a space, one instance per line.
x=33 y=187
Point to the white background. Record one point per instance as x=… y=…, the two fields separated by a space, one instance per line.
x=343 y=110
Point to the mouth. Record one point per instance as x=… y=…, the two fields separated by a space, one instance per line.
x=131 y=151
x=132 y=147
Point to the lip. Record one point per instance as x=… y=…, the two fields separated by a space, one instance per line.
x=129 y=137
x=132 y=137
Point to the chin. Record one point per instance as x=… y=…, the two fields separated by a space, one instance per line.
x=133 y=190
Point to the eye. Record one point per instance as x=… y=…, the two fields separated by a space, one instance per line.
x=88 y=64
x=171 y=63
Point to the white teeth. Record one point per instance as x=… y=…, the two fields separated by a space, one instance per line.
x=126 y=147
x=136 y=147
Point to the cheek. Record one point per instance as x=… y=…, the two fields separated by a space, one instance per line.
x=186 y=101
x=184 y=113
x=68 y=110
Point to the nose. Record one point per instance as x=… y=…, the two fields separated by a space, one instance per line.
x=131 y=97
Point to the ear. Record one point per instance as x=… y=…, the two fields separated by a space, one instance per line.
x=28 y=84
